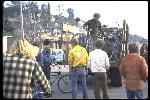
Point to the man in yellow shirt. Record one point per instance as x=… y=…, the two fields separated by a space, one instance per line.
x=77 y=59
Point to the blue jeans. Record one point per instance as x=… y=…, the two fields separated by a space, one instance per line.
x=133 y=94
x=37 y=88
x=47 y=70
x=78 y=72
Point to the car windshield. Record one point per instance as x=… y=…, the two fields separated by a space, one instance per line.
x=56 y=52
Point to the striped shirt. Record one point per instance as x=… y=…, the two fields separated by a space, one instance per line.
x=17 y=74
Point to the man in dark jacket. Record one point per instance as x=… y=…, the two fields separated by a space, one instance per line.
x=44 y=58
x=93 y=25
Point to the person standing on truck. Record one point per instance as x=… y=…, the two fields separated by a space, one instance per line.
x=134 y=70
x=93 y=26
x=19 y=68
x=77 y=59
x=79 y=24
x=98 y=62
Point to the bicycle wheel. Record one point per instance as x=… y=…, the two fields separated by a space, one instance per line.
x=64 y=83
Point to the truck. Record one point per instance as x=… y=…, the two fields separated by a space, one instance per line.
x=114 y=75
x=116 y=42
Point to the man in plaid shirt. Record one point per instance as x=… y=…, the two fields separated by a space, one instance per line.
x=18 y=70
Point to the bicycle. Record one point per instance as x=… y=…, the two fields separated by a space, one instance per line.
x=64 y=81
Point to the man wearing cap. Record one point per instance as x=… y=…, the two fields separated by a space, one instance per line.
x=44 y=58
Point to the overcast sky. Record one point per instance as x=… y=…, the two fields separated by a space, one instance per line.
x=134 y=12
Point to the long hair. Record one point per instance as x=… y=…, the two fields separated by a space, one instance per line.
x=23 y=47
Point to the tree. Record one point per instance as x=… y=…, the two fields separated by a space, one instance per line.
x=31 y=12
x=10 y=16
x=71 y=15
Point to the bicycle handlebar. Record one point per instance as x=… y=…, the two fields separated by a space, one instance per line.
x=56 y=64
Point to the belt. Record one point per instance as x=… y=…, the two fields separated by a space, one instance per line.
x=79 y=66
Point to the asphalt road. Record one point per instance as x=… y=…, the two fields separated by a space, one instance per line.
x=113 y=92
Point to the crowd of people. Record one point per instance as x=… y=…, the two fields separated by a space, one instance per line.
x=27 y=68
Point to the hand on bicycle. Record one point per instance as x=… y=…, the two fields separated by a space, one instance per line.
x=47 y=95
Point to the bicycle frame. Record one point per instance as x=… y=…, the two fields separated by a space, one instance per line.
x=59 y=75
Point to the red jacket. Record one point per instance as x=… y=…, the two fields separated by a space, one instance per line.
x=134 y=69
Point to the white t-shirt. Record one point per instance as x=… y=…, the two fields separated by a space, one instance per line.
x=98 y=61
x=80 y=26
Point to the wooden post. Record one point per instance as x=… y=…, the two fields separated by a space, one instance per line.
x=125 y=36
x=123 y=39
x=21 y=15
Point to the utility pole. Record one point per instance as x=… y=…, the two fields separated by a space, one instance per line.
x=59 y=16
x=21 y=15
x=61 y=22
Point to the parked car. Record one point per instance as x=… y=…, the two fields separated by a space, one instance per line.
x=57 y=55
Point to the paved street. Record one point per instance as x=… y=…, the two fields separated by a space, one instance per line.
x=114 y=92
